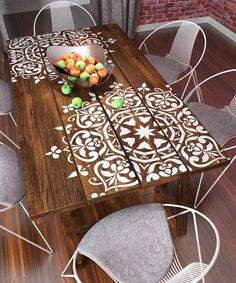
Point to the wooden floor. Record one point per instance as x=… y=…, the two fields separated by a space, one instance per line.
x=22 y=263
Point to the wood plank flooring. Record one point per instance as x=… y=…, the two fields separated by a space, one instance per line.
x=22 y=263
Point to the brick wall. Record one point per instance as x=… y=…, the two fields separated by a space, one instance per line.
x=156 y=11
x=224 y=11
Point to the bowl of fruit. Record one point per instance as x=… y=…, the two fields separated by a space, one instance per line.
x=83 y=65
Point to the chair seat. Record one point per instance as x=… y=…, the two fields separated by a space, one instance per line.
x=219 y=123
x=168 y=68
x=11 y=185
x=132 y=245
x=5 y=98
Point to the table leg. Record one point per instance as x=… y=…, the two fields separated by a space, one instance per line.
x=182 y=199
x=73 y=229
x=162 y=187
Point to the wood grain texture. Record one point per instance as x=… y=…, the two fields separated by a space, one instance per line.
x=92 y=143
x=22 y=263
x=45 y=179
x=180 y=126
x=106 y=156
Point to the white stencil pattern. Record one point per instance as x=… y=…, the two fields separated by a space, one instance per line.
x=27 y=62
x=94 y=146
x=150 y=152
x=25 y=59
x=87 y=37
x=192 y=141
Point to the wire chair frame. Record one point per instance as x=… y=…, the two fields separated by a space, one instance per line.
x=60 y=2
x=192 y=273
x=14 y=121
x=7 y=207
x=198 y=201
x=47 y=250
x=5 y=113
x=192 y=72
x=10 y=140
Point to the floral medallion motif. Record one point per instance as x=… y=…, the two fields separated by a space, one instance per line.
x=95 y=149
x=25 y=59
x=86 y=36
x=188 y=136
x=150 y=152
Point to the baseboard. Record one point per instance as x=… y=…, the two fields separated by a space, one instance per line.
x=199 y=20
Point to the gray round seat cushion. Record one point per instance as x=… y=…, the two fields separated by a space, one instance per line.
x=5 y=98
x=219 y=123
x=132 y=245
x=168 y=68
x=11 y=185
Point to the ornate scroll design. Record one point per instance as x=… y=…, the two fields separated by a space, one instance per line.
x=150 y=152
x=86 y=36
x=27 y=62
x=95 y=148
x=25 y=59
x=58 y=38
x=187 y=134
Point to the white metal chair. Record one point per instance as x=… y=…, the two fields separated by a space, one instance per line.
x=63 y=15
x=12 y=191
x=6 y=107
x=133 y=243
x=177 y=61
x=221 y=124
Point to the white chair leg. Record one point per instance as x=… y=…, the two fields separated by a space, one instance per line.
x=196 y=204
x=198 y=90
x=185 y=88
x=74 y=275
x=10 y=140
x=49 y=250
x=198 y=190
x=14 y=121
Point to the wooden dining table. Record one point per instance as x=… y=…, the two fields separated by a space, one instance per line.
x=75 y=157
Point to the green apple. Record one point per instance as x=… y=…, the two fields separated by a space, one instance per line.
x=72 y=79
x=84 y=76
x=66 y=89
x=61 y=64
x=117 y=103
x=77 y=102
x=99 y=66
x=80 y=64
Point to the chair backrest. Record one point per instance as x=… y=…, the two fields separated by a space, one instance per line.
x=183 y=43
x=232 y=105
x=62 y=15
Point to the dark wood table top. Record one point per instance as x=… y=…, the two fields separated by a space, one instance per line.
x=73 y=157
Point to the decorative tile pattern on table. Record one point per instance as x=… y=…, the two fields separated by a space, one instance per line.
x=87 y=36
x=150 y=152
x=24 y=53
x=25 y=59
x=192 y=141
x=95 y=149
x=58 y=38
